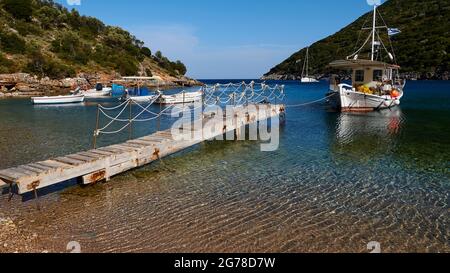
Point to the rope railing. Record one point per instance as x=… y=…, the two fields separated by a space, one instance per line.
x=242 y=93
x=235 y=94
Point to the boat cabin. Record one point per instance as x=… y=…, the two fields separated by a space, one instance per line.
x=371 y=77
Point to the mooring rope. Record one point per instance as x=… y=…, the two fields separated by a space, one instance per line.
x=309 y=103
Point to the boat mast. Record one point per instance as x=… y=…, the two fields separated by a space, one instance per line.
x=374 y=29
x=307 y=62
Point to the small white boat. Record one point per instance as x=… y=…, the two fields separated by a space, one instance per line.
x=58 y=99
x=375 y=84
x=308 y=80
x=143 y=98
x=98 y=92
x=94 y=93
x=184 y=97
x=305 y=72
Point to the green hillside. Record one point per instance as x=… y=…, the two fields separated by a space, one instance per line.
x=423 y=46
x=45 y=39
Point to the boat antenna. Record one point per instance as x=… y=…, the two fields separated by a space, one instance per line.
x=374 y=29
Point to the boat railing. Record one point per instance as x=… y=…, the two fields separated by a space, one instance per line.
x=344 y=86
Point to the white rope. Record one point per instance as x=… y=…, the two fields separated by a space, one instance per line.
x=114 y=108
x=112 y=120
x=219 y=94
x=309 y=103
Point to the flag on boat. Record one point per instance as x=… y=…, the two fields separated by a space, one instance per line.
x=393 y=31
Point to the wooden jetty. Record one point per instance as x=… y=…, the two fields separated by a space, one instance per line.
x=103 y=163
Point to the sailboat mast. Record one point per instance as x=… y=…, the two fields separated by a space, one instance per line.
x=307 y=62
x=374 y=29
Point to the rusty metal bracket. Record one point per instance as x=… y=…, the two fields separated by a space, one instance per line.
x=158 y=157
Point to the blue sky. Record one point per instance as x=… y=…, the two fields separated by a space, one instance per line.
x=225 y=39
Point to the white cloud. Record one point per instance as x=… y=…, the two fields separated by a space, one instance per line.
x=374 y=2
x=74 y=2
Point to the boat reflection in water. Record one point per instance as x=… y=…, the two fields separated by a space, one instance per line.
x=365 y=135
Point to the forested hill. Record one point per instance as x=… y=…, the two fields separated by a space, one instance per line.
x=45 y=39
x=422 y=49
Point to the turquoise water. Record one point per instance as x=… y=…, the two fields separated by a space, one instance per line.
x=337 y=182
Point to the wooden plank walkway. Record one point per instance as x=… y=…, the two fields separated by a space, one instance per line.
x=104 y=163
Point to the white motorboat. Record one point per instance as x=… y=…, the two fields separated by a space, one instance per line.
x=150 y=98
x=58 y=99
x=94 y=93
x=184 y=97
x=98 y=92
x=305 y=72
x=375 y=84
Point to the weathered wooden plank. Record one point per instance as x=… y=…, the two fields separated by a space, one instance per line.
x=56 y=164
x=154 y=138
x=94 y=177
x=69 y=161
x=102 y=152
x=11 y=174
x=30 y=168
x=144 y=142
x=165 y=134
x=25 y=184
x=81 y=158
x=129 y=145
x=124 y=148
x=39 y=166
x=111 y=150
x=47 y=165
x=91 y=155
x=123 y=167
x=26 y=172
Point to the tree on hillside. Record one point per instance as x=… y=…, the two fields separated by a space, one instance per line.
x=146 y=52
x=19 y=9
x=159 y=55
x=180 y=67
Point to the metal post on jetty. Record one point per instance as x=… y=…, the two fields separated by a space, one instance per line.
x=158 y=126
x=96 y=127
x=130 y=121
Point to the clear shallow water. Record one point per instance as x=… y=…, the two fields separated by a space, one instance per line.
x=337 y=182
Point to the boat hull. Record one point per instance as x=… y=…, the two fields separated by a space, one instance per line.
x=106 y=92
x=347 y=100
x=143 y=98
x=309 y=80
x=181 y=98
x=58 y=99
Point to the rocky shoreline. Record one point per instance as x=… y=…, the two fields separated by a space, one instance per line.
x=22 y=85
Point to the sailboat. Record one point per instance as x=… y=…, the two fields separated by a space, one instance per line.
x=375 y=84
x=305 y=72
